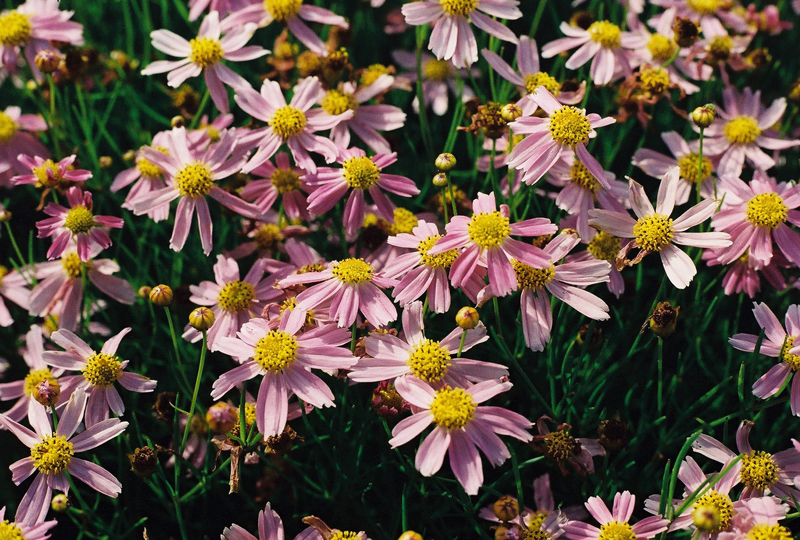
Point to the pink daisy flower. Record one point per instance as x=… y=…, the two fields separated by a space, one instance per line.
x=614 y=523
x=546 y=517
x=292 y=124
x=601 y=247
x=100 y=370
x=755 y=215
x=461 y=428
x=270 y=527
x=565 y=127
x=452 y=38
x=758 y=517
x=15 y=139
x=778 y=343
x=14 y=287
x=279 y=179
x=438 y=80
x=712 y=16
x=563 y=448
x=223 y=7
x=744 y=275
x=742 y=129
x=285 y=358
x=53 y=454
x=655 y=231
x=46 y=173
x=359 y=173
x=76 y=223
x=204 y=54
x=27 y=532
x=486 y=236
x=145 y=177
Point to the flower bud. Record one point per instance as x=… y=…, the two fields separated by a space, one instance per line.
x=440 y=180
x=129 y=155
x=105 y=162
x=177 y=121
x=47 y=60
x=707 y=517
x=510 y=112
x=143 y=461
x=386 y=401
x=59 y=503
x=445 y=162
x=161 y=295
x=47 y=392
x=506 y=508
x=144 y=291
x=410 y=535
x=221 y=417
x=201 y=318
x=5 y=215
x=509 y=531
x=664 y=319
x=467 y=318
x=686 y=31
x=704 y=116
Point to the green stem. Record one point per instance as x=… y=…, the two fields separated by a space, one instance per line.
x=660 y=358
x=55 y=417
x=452 y=197
x=30 y=279
x=700 y=169
x=353 y=340
x=423 y=112
x=461 y=345
x=517 y=479
x=175 y=346
x=199 y=113
x=196 y=390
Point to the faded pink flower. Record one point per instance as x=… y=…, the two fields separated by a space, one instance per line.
x=46 y=173
x=615 y=522
x=279 y=179
x=146 y=177
x=14 y=287
x=743 y=274
x=15 y=139
x=563 y=448
x=197 y=7
x=711 y=16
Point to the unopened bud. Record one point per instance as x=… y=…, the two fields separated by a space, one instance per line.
x=467 y=318
x=47 y=392
x=510 y=112
x=161 y=295
x=129 y=156
x=509 y=531
x=201 y=318
x=440 y=180
x=47 y=60
x=410 y=535
x=178 y=121
x=704 y=116
x=144 y=291
x=105 y=162
x=5 y=215
x=506 y=508
x=221 y=417
x=60 y=503
x=707 y=518
x=664 y=319
x=143 y=461
x=445 y=162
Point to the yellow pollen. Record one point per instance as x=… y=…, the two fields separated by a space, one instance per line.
x=535 y=521
x=535 y=533
x=713 y=512
x=653 y=232
x=147 y=168
x=765 y=531
x=194 y=180
x=703 y=7
x=205 y=51
x=313 y=267
x=285 y=180
x=654 y=80
x=605 y=247
x=352 y=271
x=8 y=128
x=688 y=167
x=288 y=121
x=767 y=210
x=102 y=369
x=249 y=414
x=606 y=34
x=429 y=361
x=372 y=73
x=452 y=408
x=337 y=102
x=459 y=7
x=791 y=360
x=15 y=29
x=615 y=530
x=48 y=174
x=36 y=377
x=283 y=10
x=79 y=220
x=560 y=445
x=720 y=47
x=580 y=175
x=442 y=260
x=268 y=237
x=661 y=47
x=9 y=531
x=50 y=323
x=437 y=70
x=361 y=172
x=535 y=80
x=569 y=126
x=759 y=470
x=236 y=296
x=72 y=265
x=532 y=278
x=213 y=134
x=345 y=535
x=290 y=304
x=488 y=230
x=52 y=455
x=404 y=222
x=275 y=351
x=742 y=130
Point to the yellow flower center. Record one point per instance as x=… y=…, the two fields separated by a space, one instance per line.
x=336 y=102
x=661 y=47
x=653 y=232
x=580 y=175
x=452 y=408
x=654 y=80
x=102 y=369
x=765 y=531
x=569 y=126
x=703 y=7
x=532 y=278
x=361 y=172
x=767 y=210
x=560 y=445
x=3 y=273
x=283 y=10
x=535 y=521
x=291 y=303
x=345 y=535
x=9 y=531
x=213 y=134
x=535 y=533
x=268 y=236
x=792 y=360
x=606 y=34
x=52 y=455
x=147 y=168
x=8 y=128
x=275 y=351
x=742 y=130
x=15 y=29
x=689 y=168
x=615 y=530
x=459 y=7
x=488 y=230
x=535 y=80
x=79 y=220
x=437 y=70
x=285 y=180
x=605 y=247
x=758 y=470
x=720 y=47
x=404 y=222
x=429 y=361
x=352 y=271
x=442 y=260
x=72 y=265
x=205 y=51
x=236 y=296
x=712 y=512
x=372 y=73
x=37 y=377
x=194 y=180
x=313 y=267
x=47 y=174
x=288 y=121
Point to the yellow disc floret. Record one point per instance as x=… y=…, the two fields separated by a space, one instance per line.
x=236 y=296
x=283 y=10
x=8 y=128
x=654 y=80
x=759 y=470
x=459 y=7
x=712 y=512
x=194 y=180
x=337 y=102
x=72 y=265
x=15 y=29
x=47 y=174
x=742 y=130
x=616 y=530
x=360 y=172
x=429 y=361
x=441 y=260
x=653 y=232
x=489 y=230
x=792 y=360
x=767 y=210
x=404 y=222
x=10 y=531
x=560 y=445
x=689 y=168
x=579 y=174
x=52 y=455
x=606 y=34
x=532 y=278
x=147 y=168
x=102 y=369
x=352 y=271
x=765 y=531
x=569 y=126
x=605 y=247
x=373 y=73
x=437 y=70
x=205 y=51
x=37 y=377
x=345 y=535
x=288 y=121
x=79 y=220
x=275 y=351
x=285 y=180
x=661 y=47
x=704 y=7
x=452 y=408
x=535 y=80
x=268 y=236
x=720 y=48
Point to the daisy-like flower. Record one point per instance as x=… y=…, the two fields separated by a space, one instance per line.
x=359 y=173
x=755 y=215
x=655 y=231
x=452 y=38
x=438 y=77
x=565 y=127
x=292 y=124
x=223 y=7
x=53 y=454
x=711 y=15
x=145 y=177
x=530 y=76
x=741 y=129
x=45 y=173
x=461 y=428
x=487 y=236
x=760 y=472
x=22 y=531
x=433 y=362
x=76 y=223
x=204 y=54
x=609 y=48
x=270 y=527
x=284 y=357
x=614 y=524
x=758 y=517
x=279 y=179
x=546 y=518
x=14 y=287
x=563 y=448
x=778 y=343
x=192 y=177
x=15 y=139
x=744 y=275
x=100 y=370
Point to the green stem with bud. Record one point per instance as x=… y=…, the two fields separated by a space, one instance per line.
x=196 y=391
x=461 y=345
x=700 y=168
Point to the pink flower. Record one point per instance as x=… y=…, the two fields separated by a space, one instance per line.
x=45 y=173
x=742 y=129
x=709 y=15
x=359 y=173
x=452 y=38
x=566 y=127
x=655 y=231
x=13 y=286
x=293 y=124
x=285 y=358
x=563 y=448
x=52 y=454
x=743 y=274
x=76 y=223
x=15 y=141
x=145 y=177
x=777 y=343
x=270 y=527
x=438 y=76
x=756 y=517
x=196 y=7
x=546 y=517
x=100 y=371
x=279 y=179
x=487 y=236
x=28 y=532
x=614 y=524
x=461 y=428
x=204 y=54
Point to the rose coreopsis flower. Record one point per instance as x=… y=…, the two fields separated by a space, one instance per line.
x=563 y=448
x=45 y=173
x=614 y=523
x=145 y=177
x=15 y=139
x=14 y=287
x=17 y=529
x=711 y=15
x=279 y=179
x=438 y=78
